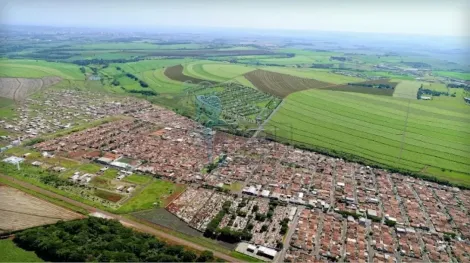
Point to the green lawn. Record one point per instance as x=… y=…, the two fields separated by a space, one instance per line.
x=155 y=194
x=9 y=252
x=38 y=68
x=451 y=74
x=372 y=127
x=137 y=179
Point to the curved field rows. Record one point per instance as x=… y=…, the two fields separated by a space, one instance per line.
x=317 y=74
x=281 y=85
x=176 y=73
x=373 y=127
x=19 y=210
x=19 y=88
x=38 y=69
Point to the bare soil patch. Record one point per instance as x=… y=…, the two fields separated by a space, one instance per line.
x=19 y=88
x=281 y=85
x=176 y=73
x=19 y=210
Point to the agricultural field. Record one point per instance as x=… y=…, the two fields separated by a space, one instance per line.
x=20 y=211
x=217 y=72
x=281 y=85
x=416 y=135
x=317 y=74
x=407 y=89
x=19 y=88
x=12 y=253
x=381 y=87
x=16 y=68
x=176 y=73
x=452 y=74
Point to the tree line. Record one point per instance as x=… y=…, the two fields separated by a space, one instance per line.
x=101 y=240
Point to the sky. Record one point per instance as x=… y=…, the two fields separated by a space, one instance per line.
x=423 y=17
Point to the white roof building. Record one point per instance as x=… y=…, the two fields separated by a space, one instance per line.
x=13 y=160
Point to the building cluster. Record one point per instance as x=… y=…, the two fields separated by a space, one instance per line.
x=259 y=217
x=53 y=110
x=352 y=212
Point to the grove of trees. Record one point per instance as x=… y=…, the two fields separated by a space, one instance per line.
x=101 y=240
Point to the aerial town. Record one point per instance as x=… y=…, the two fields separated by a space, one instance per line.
x=277 y=202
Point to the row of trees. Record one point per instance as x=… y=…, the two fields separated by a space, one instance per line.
x=368 y=85
x=98 y=239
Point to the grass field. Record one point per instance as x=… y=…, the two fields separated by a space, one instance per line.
x=407 y=89
x=317 y=74
x=218 y=72
x=37 y=69
x=11 y=253
x=451 y=74
x=372 y=127
x=153 y=195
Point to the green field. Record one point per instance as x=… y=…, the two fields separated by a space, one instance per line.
x=38 y=69
x=153 y=195
x=451 y=74
x=407 y=89
x=318 y=74
x=9 y=252
x=218 y=72
x=372 y=127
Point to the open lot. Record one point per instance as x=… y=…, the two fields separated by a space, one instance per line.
x=20 y=211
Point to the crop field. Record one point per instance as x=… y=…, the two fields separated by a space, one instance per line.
x=452 y=74
x=19 y=88
x=367 y=87
x=12 y=253
x=37 y=69
x=412 y=134
x=217 y=72
x=20 y=211
x=317 y=74
x=407 y=89
x=281 y=85
x=176 y=73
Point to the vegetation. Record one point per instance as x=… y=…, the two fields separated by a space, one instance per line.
x=155 y=194
x=107 y=240
x=12 y=253
x=371 y=129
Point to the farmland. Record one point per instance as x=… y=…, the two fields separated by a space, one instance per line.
x=414 y=135
x=21 y=211
x=382 y=87
x=407 y=89
x=38 y=69
x=19 y=88
x=281 y=85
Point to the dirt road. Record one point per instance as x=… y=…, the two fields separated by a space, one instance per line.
x=125 y=221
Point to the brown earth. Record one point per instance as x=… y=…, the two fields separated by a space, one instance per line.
x=176 y=73
x=281 y=85
x=19 y=210
x=19 y=88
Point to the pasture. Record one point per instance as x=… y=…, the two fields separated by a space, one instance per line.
x=411 y=134
x=452 y=74
x=20 y=211
x=317 y=74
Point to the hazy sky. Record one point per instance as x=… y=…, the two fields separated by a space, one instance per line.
x=427 y=17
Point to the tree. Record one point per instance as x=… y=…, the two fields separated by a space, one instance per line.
x=206 y=256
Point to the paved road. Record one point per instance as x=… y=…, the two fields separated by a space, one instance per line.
x=125 y=221
x=281 y=255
